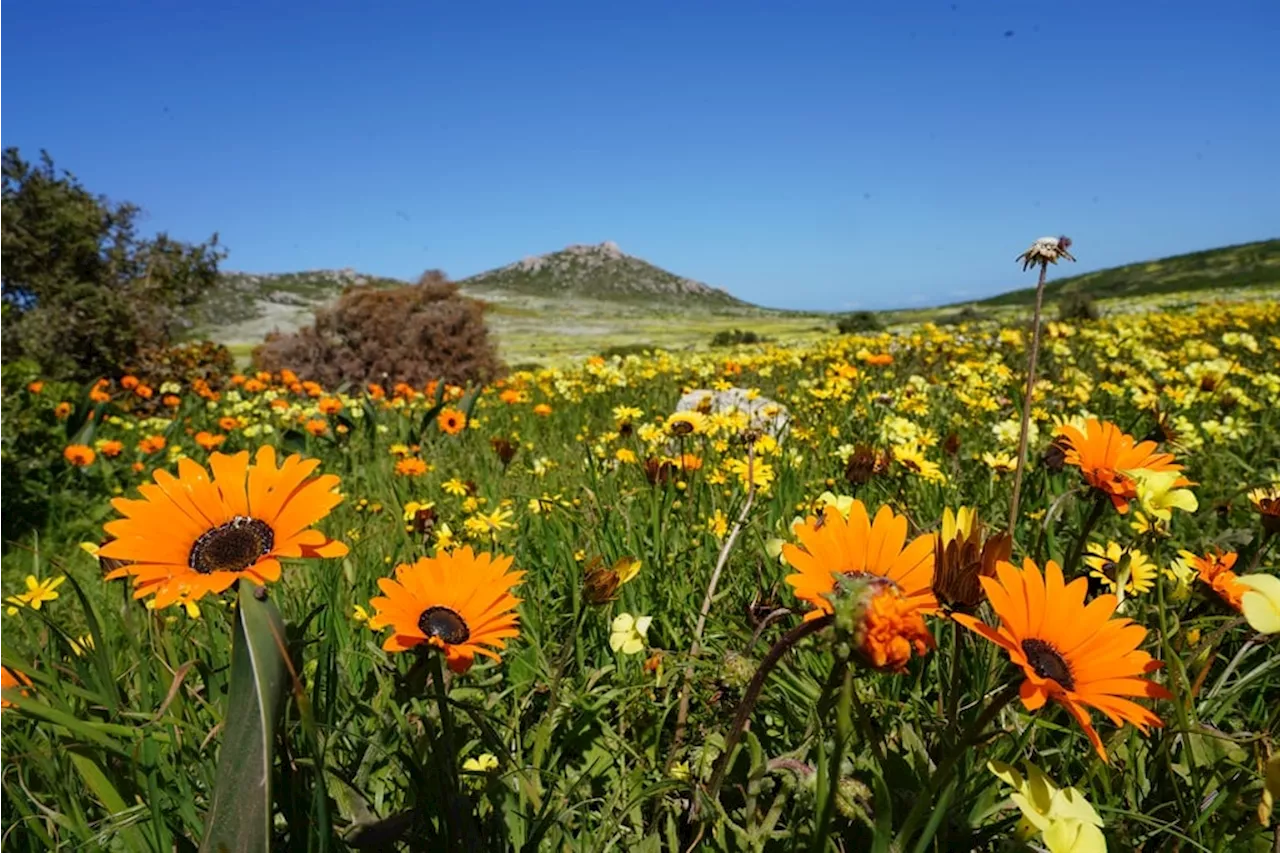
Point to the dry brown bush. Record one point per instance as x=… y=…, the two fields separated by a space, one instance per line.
x=412 y=334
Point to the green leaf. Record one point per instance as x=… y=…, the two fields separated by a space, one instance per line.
x=240 y=816
x=98 y=783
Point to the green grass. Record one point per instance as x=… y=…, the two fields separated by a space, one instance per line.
x=117 y=747
x=1246 y=265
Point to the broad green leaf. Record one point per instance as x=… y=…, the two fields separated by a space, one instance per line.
x=239 y=819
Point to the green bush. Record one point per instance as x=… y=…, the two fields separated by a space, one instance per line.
x=857 y=322
x=83 y=293
x=209 y=362
x=734 y=337
x=412 y=334
x=1077 y=307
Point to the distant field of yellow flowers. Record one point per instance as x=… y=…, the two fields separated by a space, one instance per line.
x=766 y=598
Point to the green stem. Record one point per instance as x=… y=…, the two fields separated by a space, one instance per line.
x=844 y=731
x=752 y=693
x=1099 y=505
x=460 y=827
x=942 y=776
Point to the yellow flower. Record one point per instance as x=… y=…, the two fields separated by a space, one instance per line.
x=628 y=633
x=626 y=568
x=81 y=645
x=1159 y=494
x=625 y=455
x=1261 y=604
x=760 y=473
x=680 y=770
x=1063 y=817
x=359 y=614
x=1109 y=562
x=684 y=423
x=38 y=592
x=718 y=524
x=412 y=508
x=454 y=486
x=482 y=763
x=1001 y=463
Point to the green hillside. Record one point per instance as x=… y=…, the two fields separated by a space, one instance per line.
x=1245 y=265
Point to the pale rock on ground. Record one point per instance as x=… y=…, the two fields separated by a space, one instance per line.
x=763 y=414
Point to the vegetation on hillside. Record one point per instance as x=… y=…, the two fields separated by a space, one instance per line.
x=1245 y=265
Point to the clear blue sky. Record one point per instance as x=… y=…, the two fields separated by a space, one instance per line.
x=799 y=154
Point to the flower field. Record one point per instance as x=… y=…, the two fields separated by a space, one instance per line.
x=561 y=613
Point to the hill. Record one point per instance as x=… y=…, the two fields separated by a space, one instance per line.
x=578 y=300
x=602 y=272
x=1244 y=265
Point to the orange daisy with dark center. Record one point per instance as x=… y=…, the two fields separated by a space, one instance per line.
x=196 y=534
x=1070 y=652
x=1103 y=453
x=832 y=545
x=459 y=602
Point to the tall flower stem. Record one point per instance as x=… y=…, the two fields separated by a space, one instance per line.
x=752 y=694
x=1032 y=359
x=463 y=831
x=682 y=715
x=1099 y=505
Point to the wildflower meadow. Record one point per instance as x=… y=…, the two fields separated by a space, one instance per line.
x=772 y=597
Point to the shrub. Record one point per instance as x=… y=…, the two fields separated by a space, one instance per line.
x=83 y=294
x=30 y=439
x=859 y=321
x=412 y=334
x=624 y=350
x=733 y=337
x=968 y=314
x=1077 y=307
x=207 y=361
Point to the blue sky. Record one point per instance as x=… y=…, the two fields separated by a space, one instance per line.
x=799 y=154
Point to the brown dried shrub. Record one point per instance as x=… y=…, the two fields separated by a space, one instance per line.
x=411 y=334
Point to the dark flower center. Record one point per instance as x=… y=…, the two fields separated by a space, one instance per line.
x=1048 y=663
x=445 y=624
x=232 y=547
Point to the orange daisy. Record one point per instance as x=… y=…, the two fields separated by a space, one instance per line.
x=834 y=545
x=11 y=678
x=1073 y=653
x=79 y=455
x=459 y=602
x=1217 y=571
x=1103 y=453
x=451 y=421
x=190 y=535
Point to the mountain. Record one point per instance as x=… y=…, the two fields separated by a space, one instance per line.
x=1244 y=265
x=581 y=292
x=602 y=272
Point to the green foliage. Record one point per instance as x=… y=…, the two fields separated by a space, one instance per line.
x=184 y=364
x=412 y=334
x=117 y=747
x=1075 y=306
x=83 y=293
x=968 y=314
x=736 y=337
x=31 y=442
x=1246 y=265
x=859 y=322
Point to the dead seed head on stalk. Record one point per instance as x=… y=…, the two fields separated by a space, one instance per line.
x=1046 y=250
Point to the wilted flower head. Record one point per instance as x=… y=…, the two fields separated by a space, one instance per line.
x=962 y=555
x=601 y=584
x=1046 y=250
x=1267 y=503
